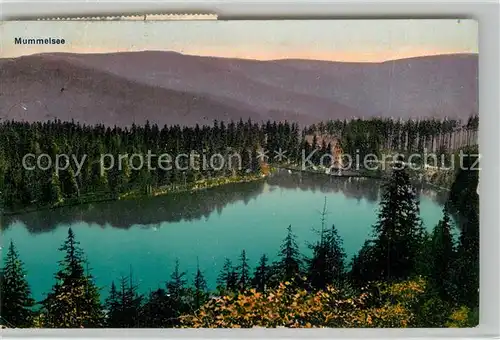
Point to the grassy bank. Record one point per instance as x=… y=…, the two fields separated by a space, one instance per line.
x=190 y=187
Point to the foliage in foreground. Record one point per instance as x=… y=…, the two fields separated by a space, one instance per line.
x=381 y=305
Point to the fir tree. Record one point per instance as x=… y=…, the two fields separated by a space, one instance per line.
x=92 y=296
x=255 y=161
x=361 y=265
x=74 y=300
x=15 y=293
x=262 y=274
x=399 y=233
x=52 y=189
x=127 y=303
x=113 y=307
x=327 y=265
x=327 y=262
x=336 y=259
x=176 y=289
x=464 y=200
x=134 y=300
x=243 y=271
x=443 y=256
x=177 y=282
x=200 y=288
x=425 y=260
x=157 y=311
x=467 y=266
x=289 y=265
x=228 y=277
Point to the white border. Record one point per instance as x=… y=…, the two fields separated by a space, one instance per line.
x=487 y=12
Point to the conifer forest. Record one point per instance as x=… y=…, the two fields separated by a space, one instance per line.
x=404 y=274
x=190 y=171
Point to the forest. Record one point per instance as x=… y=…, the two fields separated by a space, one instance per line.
x=403 y=276
x=23 y=189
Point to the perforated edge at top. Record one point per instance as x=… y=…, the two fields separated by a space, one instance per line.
x=136 y=17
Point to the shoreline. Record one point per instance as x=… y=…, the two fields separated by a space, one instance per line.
x=370 y=174
x=197 y=186
x=133 y=194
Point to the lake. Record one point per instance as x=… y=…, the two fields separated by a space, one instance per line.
x=147 y=235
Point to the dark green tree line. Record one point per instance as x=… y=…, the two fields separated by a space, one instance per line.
x=141 y=169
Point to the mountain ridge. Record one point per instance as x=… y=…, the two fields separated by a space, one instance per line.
x=305 y=91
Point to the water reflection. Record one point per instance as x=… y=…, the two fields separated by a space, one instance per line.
x=200 y=204
x=358 y=188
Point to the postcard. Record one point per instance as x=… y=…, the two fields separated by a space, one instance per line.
x=239 y=174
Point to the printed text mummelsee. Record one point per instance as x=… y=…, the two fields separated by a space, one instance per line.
x=39 y=41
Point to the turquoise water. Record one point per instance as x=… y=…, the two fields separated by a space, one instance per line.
x=149 y=234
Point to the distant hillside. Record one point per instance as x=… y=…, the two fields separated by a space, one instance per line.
x=171 y=88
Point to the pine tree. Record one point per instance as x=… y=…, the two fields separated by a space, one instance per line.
x=464 y=200
x=113 y=308
x=261 y=275
x=228 y=277
x=200 y=288
x=124 y=305
x=92 y=296
x=327 y=265
x=399 y=233
x=176 y=289
x=157 y=311
x=361 y=270
x=243 y=271
x=336 y=259
x=467 y=267
x=255 y=162
x=74 y=300
x=289 y=265
x=69 y=184
x=15 y=293
x=51 y=189
x=133 y=304
x=177 y=282
x=425 y=260
x=443 y=256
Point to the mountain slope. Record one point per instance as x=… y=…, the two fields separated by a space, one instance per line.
x=214 y=77
x=40 y=88
x=168 y=87
x=443 y=85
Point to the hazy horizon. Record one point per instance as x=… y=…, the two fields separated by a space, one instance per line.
x=329 y=40
x=250 y=59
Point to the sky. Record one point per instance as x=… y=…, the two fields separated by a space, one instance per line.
x=337 y=40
